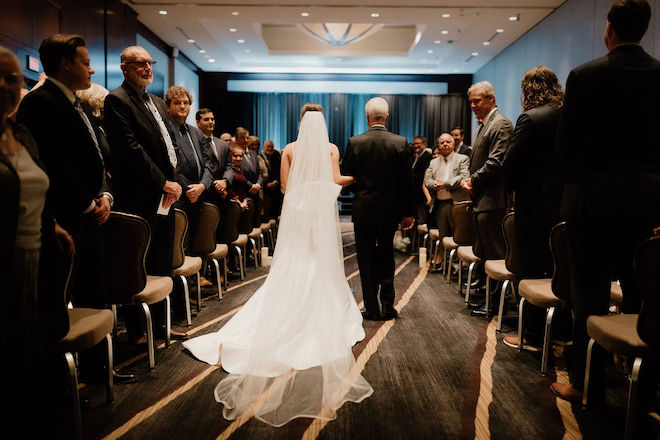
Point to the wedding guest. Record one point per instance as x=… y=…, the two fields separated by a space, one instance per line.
x=239 y=193
x=253 y=170
x=421 y=158
x=272 y=193
x=226 y=137
x=459 y=134
x=93 y=100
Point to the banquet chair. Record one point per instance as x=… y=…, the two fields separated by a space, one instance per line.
x=204 y=245
x=434 y=245
x=256 y=238
x=502 y=270
x=636 y=336
x=184 y=266
x=127 y=241
x=461 y=213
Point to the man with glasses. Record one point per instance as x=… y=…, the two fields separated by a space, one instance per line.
x=144 y=160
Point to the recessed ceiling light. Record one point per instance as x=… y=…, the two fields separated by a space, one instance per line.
x=202 y=51
x=499 y=31
x=513 y=18
x=486 y=43
x=375 y=14
x=474 y=54
x=444 y=32
x=429 y=51
x=190 y=40
x=436 y=42
x=211 y=60
x=234 y=13
x=206 y=56
x=162 y=12
x=446 y=15
x=304 y=14
x=232 y=29
x=247 y=51
x=240 y=41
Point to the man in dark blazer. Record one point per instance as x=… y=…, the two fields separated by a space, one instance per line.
x=421 y=159
x=144 y=159
x=221 y=170
x=71 y=154
x=459 y=146
x=251 y=169
x=193 y=171
x=272 y=193
x=380 y=162
x=611 y=191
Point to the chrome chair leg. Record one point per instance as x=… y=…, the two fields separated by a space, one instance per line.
x=460 y=276
x=150 y=336
x=168 y=321
x=520 y=323
x=109 y=396
x=224 y=260
x=216 y=266
x=186 y=298
x=469 y=283
x=631 y=412
x=587 y=372
x=199 y=292
x=75 y=396
x=500 y=313
x=240 y=261
x=449 y=260
x=546 y=340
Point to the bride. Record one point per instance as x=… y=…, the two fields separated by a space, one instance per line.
x=288 y=350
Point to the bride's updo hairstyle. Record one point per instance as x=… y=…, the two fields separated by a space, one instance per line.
x=311 y=107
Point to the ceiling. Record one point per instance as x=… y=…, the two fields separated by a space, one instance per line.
x=413 y=37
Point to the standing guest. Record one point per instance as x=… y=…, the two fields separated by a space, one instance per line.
x=272 y=193
x=240 y=193
x=459 y=134
x=620 y=89
x=92 y=101
x=486 y=182
x=227 y=137
x=72 y=154
x=421 y=158
x=252 y=170
x=531 y=173
x=33 y=311
x=379 y=161
x=193 y=171
x=144 y=164
x=443 y=181
x=220 y=157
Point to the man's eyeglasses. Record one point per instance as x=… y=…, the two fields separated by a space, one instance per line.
x=142 y=64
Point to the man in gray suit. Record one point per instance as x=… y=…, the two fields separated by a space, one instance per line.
x=220 y=157
x=443 y=180
x=459 y=146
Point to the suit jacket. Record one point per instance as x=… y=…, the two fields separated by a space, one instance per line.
x=187 y=172
x=419 y=167
x=273 y=163
x=488 y=152
x=380 y=162
x=608 y=177
x=220 y=165
x=460 y=169
x=140 y=159
x=251 y=169
x=464 y=149
x=67 y=150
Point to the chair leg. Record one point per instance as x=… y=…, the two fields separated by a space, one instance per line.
x=254 y=248
x=520 y=323
x=113 y=307
x=500 y=313
x=224 y=260
x=546 y=340
x=73 y=383
x=109 y=396
x=468 y=289
x=217 y=277
x=631 y=412
x=444 y=261
x=436 y=251
x=199 y=292
x=450 y=259
x=168 y=321
x=487 y=294
x=272 y=238
x=587 y=372
x=186 y=298
x=150 y=336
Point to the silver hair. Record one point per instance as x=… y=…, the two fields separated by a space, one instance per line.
x=5 y=52
x=94 y=97
x=125 y=54
x=377 y=109
x=483 y=87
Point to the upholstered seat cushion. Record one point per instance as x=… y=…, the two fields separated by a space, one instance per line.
x=272 y=222
x=434 y=234
x=539 y=292
x=87 y=327
x=189 y=267
x=265 y=227
x=496 y=269
x=616 y=294
x=256 y=233
x=241 y=240
x=157 y=289
x=466 y=254
x=449 y=243
x=220 y=252
x=617 y=334
x=422 y=229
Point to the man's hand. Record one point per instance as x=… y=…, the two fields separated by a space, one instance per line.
x=439 y=184
x=194 y=191
x=220 y=185
x=272 y=185
x=101 y=211
x=169 y=200
x=407 y=223
x=173 y=189
x=64 y=241
x=466 y=184
x=255 y=188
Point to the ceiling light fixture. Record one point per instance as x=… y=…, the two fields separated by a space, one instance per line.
x=375 y=14
x=499 y=31
x=437 y=42
x=444 y=32
x=234 y=13
x=202 y=51
x=304 y=14
x=240 y=41
x=232 y=29
x=211 y=60
x=486 y=43
x=191 y=41
x=475 y=54
x=162 y=12
x=340 y=34
x=514 y=17
x=446 y=15
x=429 y=51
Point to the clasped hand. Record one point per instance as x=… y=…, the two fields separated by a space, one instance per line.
x=172 y=193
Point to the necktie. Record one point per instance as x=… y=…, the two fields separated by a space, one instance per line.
x=163 y=130
x=92 y=134
x=213 y=147
x=186 y=134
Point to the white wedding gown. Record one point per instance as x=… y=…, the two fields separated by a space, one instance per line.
x=288 y=350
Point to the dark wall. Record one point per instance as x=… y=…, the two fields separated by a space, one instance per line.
x=106 y=25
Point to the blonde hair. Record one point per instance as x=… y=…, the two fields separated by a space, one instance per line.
x=483 y=87
x=94 y=97
x=310 y=107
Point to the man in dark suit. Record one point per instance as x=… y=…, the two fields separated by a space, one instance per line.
x=144 y=158
x=251 y=169
x=222 y=172
x=70 y=150
x=379 y=161
x=611 y=190
x=272 y=193
x=421 y=159
x=193 y=171
x=459 y=146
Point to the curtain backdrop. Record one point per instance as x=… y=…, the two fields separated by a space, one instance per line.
x=275 y=116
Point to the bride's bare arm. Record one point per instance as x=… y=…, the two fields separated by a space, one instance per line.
x=285 y=167
x=339 y=179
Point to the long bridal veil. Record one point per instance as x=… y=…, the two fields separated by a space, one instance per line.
x=288 y=350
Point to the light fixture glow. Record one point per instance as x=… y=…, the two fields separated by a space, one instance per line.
x=429 y=51
x=304 y=14
x=446 y=15
x=486 y=43
x=513 y=18
x=234 y=13
x=436 y=42
x=202 y=51
x=162 y=12
x=444 y=32
x=240 y=41
x=499 y=31
x=206 y=56
x=375 y=14
x=232 y=29
x=190 y=40
x=211 y=60
x=474 y=54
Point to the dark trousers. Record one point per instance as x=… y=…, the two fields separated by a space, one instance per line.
x=489 y=239
x=375 y=255
x=87 y=283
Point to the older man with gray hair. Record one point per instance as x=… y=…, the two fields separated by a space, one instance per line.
x=380 y=162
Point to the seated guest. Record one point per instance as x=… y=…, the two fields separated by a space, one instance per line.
x=459 y=134
x=531 y=172
x=443 y=181
x=272 y=193
x=421 y=158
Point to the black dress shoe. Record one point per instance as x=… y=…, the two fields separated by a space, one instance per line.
x=476 y=303
x=390 y=314
x=370 y=316
x=482 y=311
x=123 y=378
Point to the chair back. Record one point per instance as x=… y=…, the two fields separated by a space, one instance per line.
x=203 y=242
x=180 y=230
x=127 y=241
x=508 y=228
x=461 y=213
x=561 y=256
x=648 y=279
x=230 y=223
